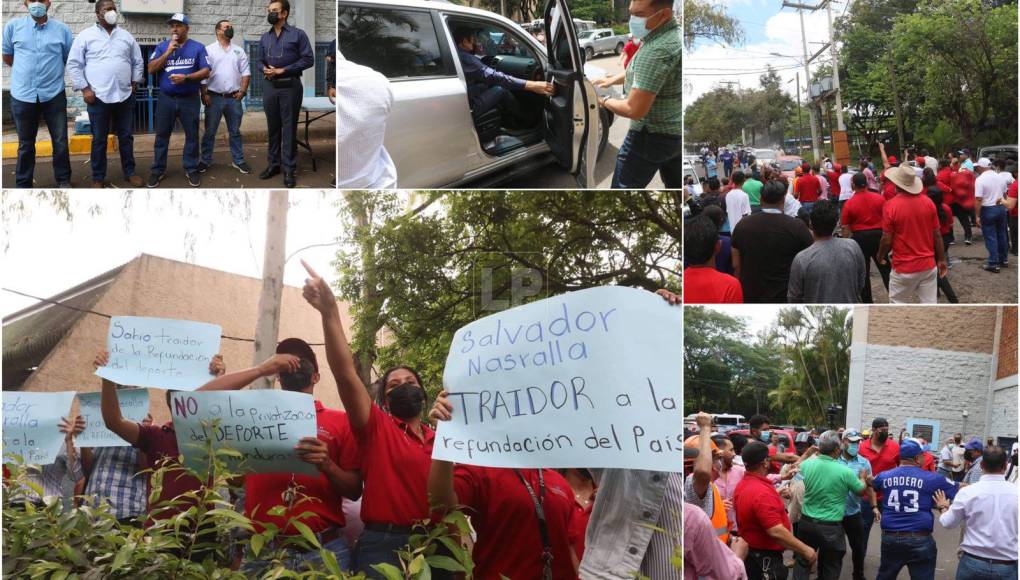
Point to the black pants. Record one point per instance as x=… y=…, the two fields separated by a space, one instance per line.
x=943 y=283
x=869 y=241
x=1011 y=222
x=283 y=109
x=827 y=538
x=964 y=215
x=483 y=99
x=765 y=565
x=853 y=526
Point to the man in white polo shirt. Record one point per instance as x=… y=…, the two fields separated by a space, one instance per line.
x=222 y=93
x=364 y=102
x=989 y=190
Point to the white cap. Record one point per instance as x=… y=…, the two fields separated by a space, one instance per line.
x=983 y=162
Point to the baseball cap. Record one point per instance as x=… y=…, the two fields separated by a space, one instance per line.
x=910 y=449
x=983 y=162
x=805 y=167
x=298 y=348
x=178 y=17
x=964 y=152
x=893 y=160
x=852 y=435
x=974 y=444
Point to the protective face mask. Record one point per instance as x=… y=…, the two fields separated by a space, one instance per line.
x=405 y=401
x=882 y=436
x=37 y=9
x=852 y=449
x=228 y=32
x=273 y=18
x=766 y=437
x=110 y=17
x=638 y=26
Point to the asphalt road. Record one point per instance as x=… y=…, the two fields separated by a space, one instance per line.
x=947 y=542
x=554 y=177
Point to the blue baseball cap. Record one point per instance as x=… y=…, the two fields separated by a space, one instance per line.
x=909 y=449
x=974 y=444
x=178 y=17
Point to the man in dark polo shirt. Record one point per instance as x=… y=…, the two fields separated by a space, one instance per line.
x=764 y=245
x=285 y=54
x=762 y=519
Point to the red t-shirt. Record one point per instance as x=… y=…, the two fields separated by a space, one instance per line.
x=159 y=443
x=706 y=285
x=912 y=221
x=395 y=468
x=888 y=188
x=810 y=189
x=946 y=225
x=884 y=460
x=834 y=189
x=1012 y=192
x=963 y=188
x=863 y=211
x=758 y=508
x=579 y=526
x=630 y=49
x=928 y=463
x=503 y=513
x=944 y=179
x=264 y=491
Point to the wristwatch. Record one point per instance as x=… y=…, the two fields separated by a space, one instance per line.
x=604 y=99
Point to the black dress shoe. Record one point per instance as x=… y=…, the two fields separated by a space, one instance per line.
x=269 y=172
x=289 y=179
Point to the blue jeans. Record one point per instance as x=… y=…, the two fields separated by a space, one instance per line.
x=219 y=107
x=118 y=118
x=970 y=568
x=298 y=561
x=378 y=548
x=996 y=234
x=26 y=123
x=917 y=553
x=642 y=155
x=168 y=110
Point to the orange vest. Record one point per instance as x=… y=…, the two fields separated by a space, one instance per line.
x=719 y=523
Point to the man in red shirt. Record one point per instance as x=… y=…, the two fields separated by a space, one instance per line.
x=703 y=284
x=862 y=221
x=911 y=229
x=884 y=454
x=333 y=452
x=809 y=188
x=1011 y=219
x=763 y=521
x=962 y=183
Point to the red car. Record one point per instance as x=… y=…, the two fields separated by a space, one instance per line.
x=789 y=163
x=786 y=437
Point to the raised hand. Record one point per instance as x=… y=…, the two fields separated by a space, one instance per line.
x=280 y=363
x=316 y=291
x=101 y=360
x=216 y=366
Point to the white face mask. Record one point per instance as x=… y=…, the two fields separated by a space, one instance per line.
x=110 y=17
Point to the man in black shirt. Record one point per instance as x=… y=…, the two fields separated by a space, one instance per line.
x=764 y=245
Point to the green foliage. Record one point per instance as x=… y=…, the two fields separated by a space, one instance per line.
x=720 y=115
x=598 y=10
x=706 y=20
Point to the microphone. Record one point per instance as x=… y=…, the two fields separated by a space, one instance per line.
x=175 y=39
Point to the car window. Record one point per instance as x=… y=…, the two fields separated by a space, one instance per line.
x=396 y=43
x=492 y=40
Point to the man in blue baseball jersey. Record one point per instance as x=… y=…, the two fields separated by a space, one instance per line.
x=907 y=500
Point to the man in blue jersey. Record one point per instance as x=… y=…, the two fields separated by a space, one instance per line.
x=907 y=522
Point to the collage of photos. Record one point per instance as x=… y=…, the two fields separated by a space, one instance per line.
x=510 y=290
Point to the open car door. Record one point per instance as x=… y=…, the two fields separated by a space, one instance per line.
x=571 y=119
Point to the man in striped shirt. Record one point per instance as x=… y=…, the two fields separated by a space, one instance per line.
x=112 y=475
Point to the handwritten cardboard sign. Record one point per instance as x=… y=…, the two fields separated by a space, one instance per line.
x=159 y=352
x=134 y=405
x=264 y=426
x=585 y=379
x=30 y=423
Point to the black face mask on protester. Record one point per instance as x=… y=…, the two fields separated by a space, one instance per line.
x=299 y=380
x=405 y=401
x=882 y=436
x=273 y=18
x=228 y=32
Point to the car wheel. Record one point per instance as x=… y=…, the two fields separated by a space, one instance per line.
x=589 y=52
x=605 y=120
x=619 y=48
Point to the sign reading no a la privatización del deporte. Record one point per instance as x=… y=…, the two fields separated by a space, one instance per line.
x=586 y=379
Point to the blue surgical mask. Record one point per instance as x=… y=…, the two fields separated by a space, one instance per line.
x=852 y=449
x=37 y=9
x=637 y=26
x=766 y=436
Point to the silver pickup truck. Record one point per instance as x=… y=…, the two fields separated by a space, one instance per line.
x=601 y=40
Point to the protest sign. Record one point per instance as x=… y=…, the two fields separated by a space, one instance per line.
x=134 y=405
x=585 y=379
x=159 y=352
x=263 y=425
x=30 y=423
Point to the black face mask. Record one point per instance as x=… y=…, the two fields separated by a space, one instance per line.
x=968 y=456
x=405 y=401
x=882 y=436
x=228 y=32
x=958 y=440
x=273 y=18
x=300 y=380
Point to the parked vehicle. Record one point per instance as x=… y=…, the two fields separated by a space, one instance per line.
x=599 y=41
x=789 y=163
x=1007 y=152
x=432 y=135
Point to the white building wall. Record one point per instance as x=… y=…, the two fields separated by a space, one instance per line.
x=1003 y=415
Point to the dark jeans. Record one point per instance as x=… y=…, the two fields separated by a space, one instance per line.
x=298 y=561
x=869 y=241
x=1011 y=222
x=283 y=108
x=853 y=526
x=118 y=118
x=970 y=568
x=26 y=123
x=378 y=548
x=642 y=155
x=168 y=110
x=218 y=108
x=943 y=283
x=484 y=99
x=868 y=517
x=765 y=565
x=964 y=216
x=993 y=228
x=917 y=553
x=828 y=539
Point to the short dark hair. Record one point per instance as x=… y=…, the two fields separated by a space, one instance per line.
x=463 y=32
x=928 y=177
x=754 y=453
x=999 y=162
x=844 y=169
x=943 y=163
x=284 y=5
x=220 y=23
x=713 y=183
x=824 y=216
x=662 y=3
x=102 y=3
x=879 y=422
x=714 y=213
x=773 y=192
x=739 y=442
x=700 y=237
x=738 y=177
x=756 y=421
x=993 y=460
x=859 y=181
x=381 y=393
x=817 y=168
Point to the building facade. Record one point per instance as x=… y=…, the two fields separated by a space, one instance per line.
x=935 y=371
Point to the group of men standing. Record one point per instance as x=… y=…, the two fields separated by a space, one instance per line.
x=104 y=63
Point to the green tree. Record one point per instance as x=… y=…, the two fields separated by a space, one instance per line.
x=708 y=21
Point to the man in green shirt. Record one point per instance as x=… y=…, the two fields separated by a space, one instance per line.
x=752 y=187
x=826 y=485
x=652 y=85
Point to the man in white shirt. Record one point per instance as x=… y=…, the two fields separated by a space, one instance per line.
x=364 y=102
x=846 y=186
x=989 y=507
x=990 y=189
x=222 y=92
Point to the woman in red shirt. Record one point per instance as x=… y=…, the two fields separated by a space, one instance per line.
x=945 y=214
x=629 y=50
x=963 y=194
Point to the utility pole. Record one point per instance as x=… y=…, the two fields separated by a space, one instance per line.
x=835 y=70
x=267 y=327
x=800 y=116
x=816 y=146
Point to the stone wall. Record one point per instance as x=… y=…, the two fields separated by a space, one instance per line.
x=1008 y=344
x=1003 y=421
x=951 y=328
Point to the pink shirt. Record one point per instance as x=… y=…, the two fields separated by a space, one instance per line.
x=726 y=483
x=704 y=555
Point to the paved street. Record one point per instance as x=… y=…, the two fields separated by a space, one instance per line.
x=945 y=566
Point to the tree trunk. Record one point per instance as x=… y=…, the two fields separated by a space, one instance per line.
x=369 y=312
x=267 y=327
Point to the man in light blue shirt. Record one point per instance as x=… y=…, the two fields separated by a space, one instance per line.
x=853 y=522
x=36 y=48
x=105 y=65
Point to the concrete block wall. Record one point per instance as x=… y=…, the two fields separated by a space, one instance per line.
x=1004 y=413
x=950 y=328
x=1008 y=344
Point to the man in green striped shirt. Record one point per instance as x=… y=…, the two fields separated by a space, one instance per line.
x=652 y=103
